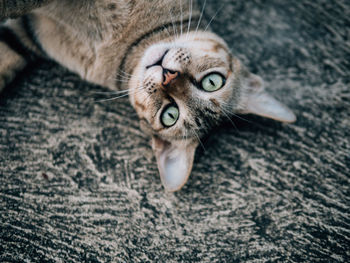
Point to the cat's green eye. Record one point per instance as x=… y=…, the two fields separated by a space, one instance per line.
x=170 y=116
x=213 y=82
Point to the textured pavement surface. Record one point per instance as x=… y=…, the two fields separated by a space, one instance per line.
x=79 y=183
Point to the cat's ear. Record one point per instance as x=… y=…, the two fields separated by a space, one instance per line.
x=257 y=101
x=174 y=161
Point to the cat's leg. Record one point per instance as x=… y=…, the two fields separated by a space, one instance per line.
x=10 y=63
x=17 y=49
x=63 y=44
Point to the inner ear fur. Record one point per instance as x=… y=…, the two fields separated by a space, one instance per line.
x=255 y=100
x=174 y=160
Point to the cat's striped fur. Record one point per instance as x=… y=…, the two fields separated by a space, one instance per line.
x=160 y=49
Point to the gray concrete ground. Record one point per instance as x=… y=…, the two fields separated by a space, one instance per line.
x=78 y=181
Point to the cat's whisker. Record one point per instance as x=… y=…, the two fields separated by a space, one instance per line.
x=243 y=119
x=126 y=74
x=137 y=90
x=167 y=30
x=230 y=113
x=123 y=76
x=140 y=88
x=110 y=99
x=173 y=22
x=110 y=92
x=123 y=73
x=173 y=42
x=211 y=20
x=198 y=138
x=181 y=14
x=229 y=118
x=190 y=19
x=172 y=37
x=233 y=114
x=115 y=92
x=122 y=80
x=201 y=16
x=115 y=98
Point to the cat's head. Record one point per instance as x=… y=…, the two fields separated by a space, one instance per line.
x=182 y=88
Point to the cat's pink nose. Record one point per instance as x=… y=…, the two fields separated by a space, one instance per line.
x=169 y=76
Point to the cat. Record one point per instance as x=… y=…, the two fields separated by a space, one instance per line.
x=182 y=79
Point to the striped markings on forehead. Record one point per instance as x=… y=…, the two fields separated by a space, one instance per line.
x=206 y=62
x=216 y=54
x=214 y=44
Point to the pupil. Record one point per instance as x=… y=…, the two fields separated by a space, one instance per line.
x=211 y=82
x=171 y=115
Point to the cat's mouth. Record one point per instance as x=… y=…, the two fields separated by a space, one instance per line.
x=168 y=75
x=159 y=61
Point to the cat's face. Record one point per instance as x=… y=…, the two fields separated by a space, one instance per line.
x=181 y=89
x=189 y=79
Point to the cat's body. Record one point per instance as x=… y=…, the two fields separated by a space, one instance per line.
x=181 y=79
x=95 y=38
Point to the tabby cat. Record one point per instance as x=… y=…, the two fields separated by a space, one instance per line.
x=182 y=79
